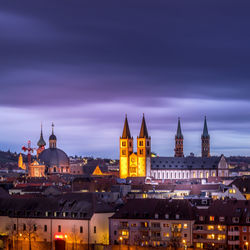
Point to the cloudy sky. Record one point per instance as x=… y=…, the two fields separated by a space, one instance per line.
x=85 y=64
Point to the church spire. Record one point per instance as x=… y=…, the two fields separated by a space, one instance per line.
x=126 y=132
x=52 y=138
x=41 y=142
x=179 y=133
x=143 y=131
x=179 y=141
x=205 y=141
x=205 y=130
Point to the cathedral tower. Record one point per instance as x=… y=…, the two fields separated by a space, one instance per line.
x=126 y=149
x=52 y=138
x=179 y=141
x=205 y=141
x=144 y=150
x=41 y=143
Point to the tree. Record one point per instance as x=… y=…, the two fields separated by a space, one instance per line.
x=11 y=228
x=174 y=242
x=29 y=231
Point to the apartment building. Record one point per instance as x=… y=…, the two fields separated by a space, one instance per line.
x=153 y=222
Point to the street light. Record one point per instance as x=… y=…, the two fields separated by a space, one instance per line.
x=246 y=244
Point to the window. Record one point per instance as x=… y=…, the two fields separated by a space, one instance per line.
x=35 y=227
x=165 y=225
x=185 y=226
x=133 y=225
x=141 y=143
x=123 y=152
x=221 y=237
x=244 y=229
x=177 y=216
x=124 y=232
x=81 y=229
x=46 y=213
x=59 y=228
x=210 y=227
x=221 y=218
x=14 y=227
x=165 y=234
x=156 y=216
x=94 y=229
x=24 y=227
x=45 y=228
x=124 y=144
x=185 y=235
x=210 y=236
x=235 y=219
x=147 y=143
x=201 y=218
x=211 y=218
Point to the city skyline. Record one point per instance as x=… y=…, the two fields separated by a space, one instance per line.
x=84 y=67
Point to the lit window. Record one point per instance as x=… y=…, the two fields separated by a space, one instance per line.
x=185 y=226
x=166 y=234
x=211 y=218
x=124 y=233
x=221 y=237
x=210 y=236
x=210 y=227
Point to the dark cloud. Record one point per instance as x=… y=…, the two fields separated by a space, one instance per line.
x=87 y=63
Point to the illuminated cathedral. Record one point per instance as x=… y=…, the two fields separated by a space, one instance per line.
x=135 y=164
x=141 y=164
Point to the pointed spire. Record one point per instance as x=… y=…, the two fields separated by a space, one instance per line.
x=41 y=141
x=53 y=128
x=205 y=130
x=179 y=133
x=143 y=131
x=126 y=132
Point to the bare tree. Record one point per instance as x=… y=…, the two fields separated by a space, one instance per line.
x=174 y=242
x=12 y=230
x=29 y=231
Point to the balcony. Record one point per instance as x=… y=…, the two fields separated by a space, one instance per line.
x=155 y=238
x=233 y=242
x=205 y=231
x=209 y=241
x=144 y=228
x=123 y=227
x=233 y=233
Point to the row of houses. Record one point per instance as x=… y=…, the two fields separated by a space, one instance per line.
x=84 y=219
x=159 y=222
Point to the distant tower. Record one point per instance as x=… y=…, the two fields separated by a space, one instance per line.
x=52 y=138
x=205 y=141
x=20 y=162
x=144 y=150
x=41 y=143
x=179 y=141
x=126 y=148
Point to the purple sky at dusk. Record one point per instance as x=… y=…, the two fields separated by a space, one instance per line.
x=84 y=64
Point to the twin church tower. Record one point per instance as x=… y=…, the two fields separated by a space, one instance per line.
x=139 y=164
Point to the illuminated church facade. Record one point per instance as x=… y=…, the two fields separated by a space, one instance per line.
x=181 y=167
x=135 y=164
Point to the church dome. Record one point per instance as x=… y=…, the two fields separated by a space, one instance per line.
x=54 y=157
x=52 y=137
